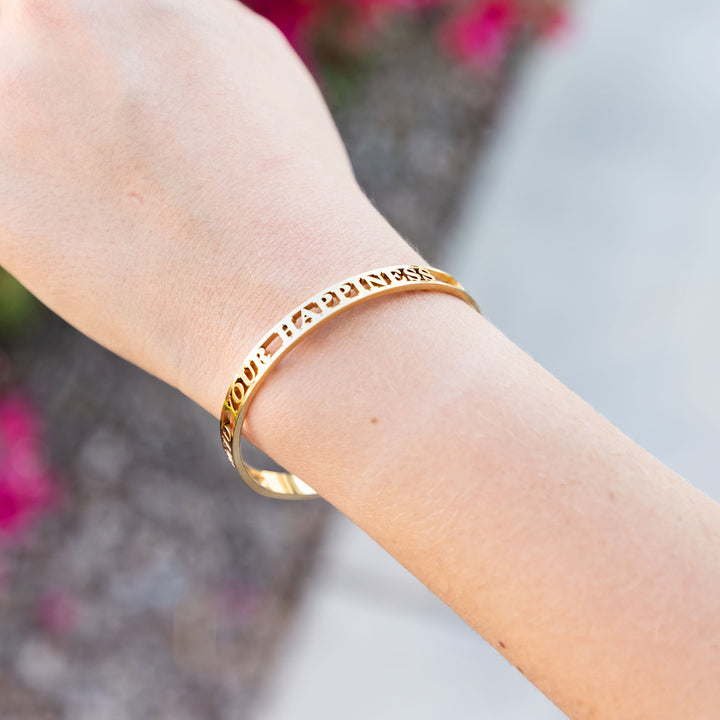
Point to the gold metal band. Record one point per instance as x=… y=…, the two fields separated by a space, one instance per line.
x=292 y=329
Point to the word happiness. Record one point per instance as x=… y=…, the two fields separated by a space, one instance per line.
x=301 y=321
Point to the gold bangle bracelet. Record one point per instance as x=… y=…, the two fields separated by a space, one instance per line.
x=295 y=326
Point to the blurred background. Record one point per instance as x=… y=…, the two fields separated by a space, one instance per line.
x=563 y=162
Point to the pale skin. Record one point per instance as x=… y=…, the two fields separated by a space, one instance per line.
x=172 y=184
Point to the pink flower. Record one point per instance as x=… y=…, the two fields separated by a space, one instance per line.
x=300 y=19
x=26 y=487
x=481 y=34
x=292 y=17
x=553 y=20
x=401 y=5
x=478 y=31
x=16 y=420
x=57 y=613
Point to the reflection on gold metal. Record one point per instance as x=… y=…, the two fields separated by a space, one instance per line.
x=295 y=326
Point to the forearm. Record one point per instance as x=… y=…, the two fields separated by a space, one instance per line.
x=591 y=566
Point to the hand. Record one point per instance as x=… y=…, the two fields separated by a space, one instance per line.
x=171 y=181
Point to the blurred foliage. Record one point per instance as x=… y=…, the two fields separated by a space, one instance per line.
x=18 y=307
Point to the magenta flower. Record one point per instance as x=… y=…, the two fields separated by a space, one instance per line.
x=292 y=17
x=300 y=19
x=26 y=487
x=478 y=32
x=481 y=34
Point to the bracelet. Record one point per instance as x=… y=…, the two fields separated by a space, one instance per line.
x=295 y=326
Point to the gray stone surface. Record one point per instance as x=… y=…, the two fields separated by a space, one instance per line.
x=157 y=585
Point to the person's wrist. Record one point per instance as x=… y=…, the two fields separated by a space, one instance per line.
x=369 y=393
x=325 y=246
